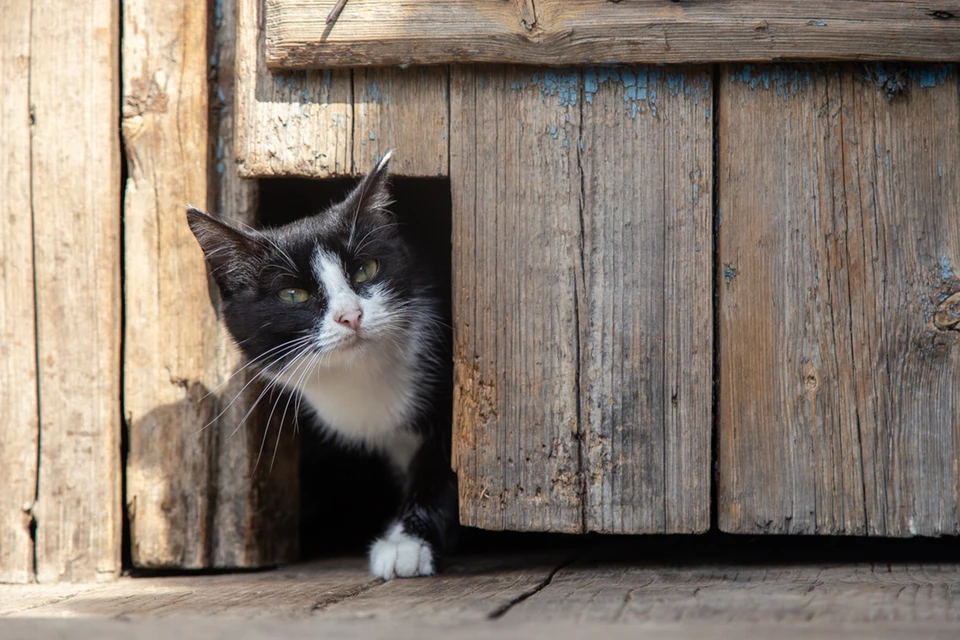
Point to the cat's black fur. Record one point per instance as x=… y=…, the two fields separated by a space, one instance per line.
x=250 y=267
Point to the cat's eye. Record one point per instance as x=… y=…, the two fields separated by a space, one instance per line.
x=366 y=271
x=293 y=295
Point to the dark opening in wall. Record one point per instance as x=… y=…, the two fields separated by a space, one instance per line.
x=347 y=496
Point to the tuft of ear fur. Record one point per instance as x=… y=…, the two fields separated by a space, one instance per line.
x=230 y=254
x=372 y=195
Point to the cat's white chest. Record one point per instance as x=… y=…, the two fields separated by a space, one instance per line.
x=366 y=404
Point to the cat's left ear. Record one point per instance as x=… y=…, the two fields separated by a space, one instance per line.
x=373 y=192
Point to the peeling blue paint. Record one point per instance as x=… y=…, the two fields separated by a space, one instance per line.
x=372 y=137
x=565 y=143
x=786 y=81
x=443 y=133
x=554 y=132
x=820 y=23
x=939 y=169
x=706 y=113
x=931 y=76
x=946 y=271
x=696 y=193
x=564 y=86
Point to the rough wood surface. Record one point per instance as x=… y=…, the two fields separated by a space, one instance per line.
x=404 y=110
x=18 y=347
x=543 y=596
x=288 y=123
x=335 y=122
x=194 y=498
x=647 y=349
x=75 y=185
x=839 y=396
x=516 y=232
x=583 y=332
x=566 y=32
x=776 y=594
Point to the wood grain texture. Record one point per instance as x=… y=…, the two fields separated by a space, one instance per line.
x=647 y=354
x=582 y=277
x=326 y=123
x=18 y=348
x=405 y=110
x=516 y=231
x=288 y=124
x=568 y=32
x=838 y=404
x=785 y=595
x=194 y=497
x=75 y=183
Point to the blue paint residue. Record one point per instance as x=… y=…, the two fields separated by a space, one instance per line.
x=372 y=137
x=374 y=92
x=786 y=81
x=946 y=271
x=562 y=85
x=939 y=169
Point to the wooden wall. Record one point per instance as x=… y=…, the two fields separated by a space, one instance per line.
x=60 y=297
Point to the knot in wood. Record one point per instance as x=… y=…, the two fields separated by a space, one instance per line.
x=947 y=317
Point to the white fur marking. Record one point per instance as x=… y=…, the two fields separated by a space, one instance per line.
x=399 y=555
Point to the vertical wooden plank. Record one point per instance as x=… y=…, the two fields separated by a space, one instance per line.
x=647 y=357
x=18 y=349
x=256 y=522
x=405 y=110
x=516 y=231
x=194 y=499
x=838 y=390
x=74 y=93
x=295 y=123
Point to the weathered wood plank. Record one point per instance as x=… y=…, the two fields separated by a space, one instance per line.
x=472 y=589
x=568 y=32
x=516 y=231
x=75 y=182
x=288 y=123
x=647 y=356
x=291 y=593
x=789 y=595
x=405 y=110
x=18 y=347
x=333 y=123
x=194 y=497
x=838 y=393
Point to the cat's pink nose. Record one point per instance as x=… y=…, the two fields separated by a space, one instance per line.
x=350 y=318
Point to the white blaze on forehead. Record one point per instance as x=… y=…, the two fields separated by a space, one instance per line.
x=329 y=271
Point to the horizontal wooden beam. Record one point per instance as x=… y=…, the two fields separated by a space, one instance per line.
x=568 y=32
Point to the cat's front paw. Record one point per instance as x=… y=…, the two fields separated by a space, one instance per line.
x=400 y=555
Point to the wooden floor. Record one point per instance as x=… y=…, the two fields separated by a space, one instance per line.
x=553 y=594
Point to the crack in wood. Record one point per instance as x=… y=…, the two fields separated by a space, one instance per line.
x=502 y=610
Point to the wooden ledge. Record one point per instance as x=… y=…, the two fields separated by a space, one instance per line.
x=573 y=32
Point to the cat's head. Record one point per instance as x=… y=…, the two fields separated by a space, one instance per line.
x=337 y=285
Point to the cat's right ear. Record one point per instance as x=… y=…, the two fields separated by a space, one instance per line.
x=231 y=254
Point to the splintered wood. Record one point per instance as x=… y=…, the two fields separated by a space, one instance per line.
x=581 y=265
x=324 y=123
x=571 y=32
x=196 y=497
x=75 y=187
x=839 y=408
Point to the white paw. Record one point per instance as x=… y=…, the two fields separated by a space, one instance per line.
x=398 y=555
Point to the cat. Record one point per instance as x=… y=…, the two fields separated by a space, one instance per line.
x=338 y=308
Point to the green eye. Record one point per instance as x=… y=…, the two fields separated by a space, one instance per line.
x=366 y=271
x=293 y=295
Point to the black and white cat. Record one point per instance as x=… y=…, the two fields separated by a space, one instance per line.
x=338 y=308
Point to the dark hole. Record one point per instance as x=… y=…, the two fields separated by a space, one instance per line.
x=347 y=496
